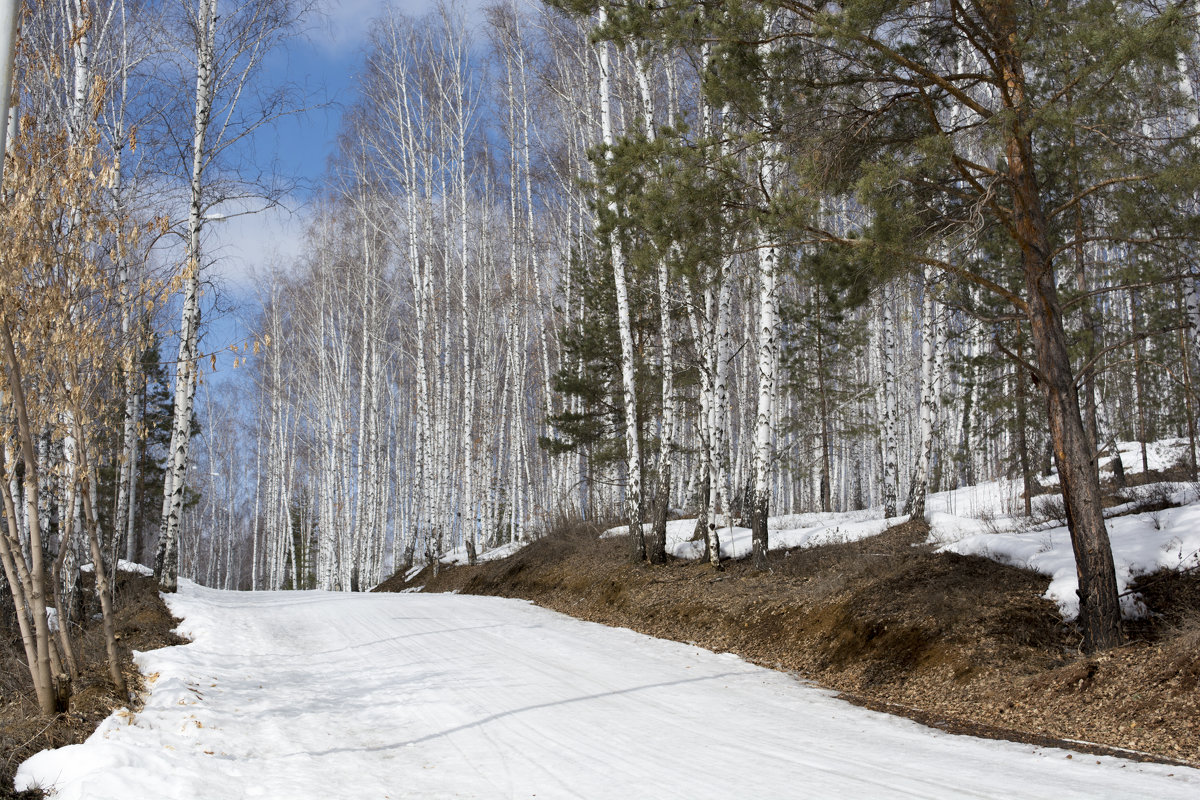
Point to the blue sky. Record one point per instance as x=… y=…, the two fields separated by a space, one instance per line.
x=323 y=63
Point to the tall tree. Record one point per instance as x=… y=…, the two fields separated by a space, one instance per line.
x=987 y=137
x=633 y=458
x=227 y=53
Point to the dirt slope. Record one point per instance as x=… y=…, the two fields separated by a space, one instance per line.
x=962 y=643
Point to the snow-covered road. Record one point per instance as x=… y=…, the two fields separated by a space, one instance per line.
x=318 y=695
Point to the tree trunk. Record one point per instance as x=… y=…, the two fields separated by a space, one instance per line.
x=633 y=459
x=1022 y=392
x=19 y=585
x=65 y=545
x=1099 y=609
x=656 y=546
x=826 y=489
x=43 y=682
x=1139 y=387
x=166 y=563
x=98 y=572
x=887 y=366
x=1189 y=396
x=767 y=346
x=930 y=379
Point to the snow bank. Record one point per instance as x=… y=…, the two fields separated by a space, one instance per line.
x=123 y=566
x=959 y=510
x=1142 y=542
x=987 y=520
x=1160 y=456
x=783 y=532
x=458 y=555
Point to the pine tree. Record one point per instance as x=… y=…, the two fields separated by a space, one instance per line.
x=943 y=119
x=154 y=436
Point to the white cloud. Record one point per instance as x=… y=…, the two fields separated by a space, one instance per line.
x=341 y=26
x=243 y=247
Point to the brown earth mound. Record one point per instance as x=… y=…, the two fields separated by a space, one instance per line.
x=962 y=643
x=142 y=623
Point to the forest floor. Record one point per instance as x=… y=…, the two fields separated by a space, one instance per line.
x=142 y=623
x=960 y=643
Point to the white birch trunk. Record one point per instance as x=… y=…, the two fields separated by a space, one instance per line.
x=167 y=561
x=887 y=368
x=931 y=346
x=767 y=357
x=633 y=492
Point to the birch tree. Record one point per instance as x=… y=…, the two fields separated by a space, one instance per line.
x=633 y=458
x=932 y=337
x=56 y=335
x=227 y=51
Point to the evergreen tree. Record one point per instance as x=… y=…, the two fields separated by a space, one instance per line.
x=589 y=376
x=154 y=435
x=823 y=339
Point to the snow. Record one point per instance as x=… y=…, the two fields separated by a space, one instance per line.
x=1160 y=455
x=124 y=566
x=988 y=520
x=316 y=695
x=1141 y=543
x=784 y=532
x=459 y=555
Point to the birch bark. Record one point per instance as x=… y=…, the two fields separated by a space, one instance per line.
x=768 y=256
x=633 y=460
x=166 y=564
x=931 y=377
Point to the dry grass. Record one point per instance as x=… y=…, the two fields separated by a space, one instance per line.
x=961 y=642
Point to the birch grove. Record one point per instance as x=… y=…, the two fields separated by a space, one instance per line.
x=562 y=228
x=223 y=52
x=580 y=261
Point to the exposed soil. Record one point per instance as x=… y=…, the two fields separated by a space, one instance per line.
x=142 y=622
x=961 y=643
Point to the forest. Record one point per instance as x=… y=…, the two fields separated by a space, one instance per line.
x=621 y=262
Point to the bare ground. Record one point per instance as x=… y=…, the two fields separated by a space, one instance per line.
x=143 y=623
x=961 y=643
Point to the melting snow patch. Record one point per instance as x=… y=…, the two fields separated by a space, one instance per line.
x=1142 y=542
x=124 y=566
x=784 y=532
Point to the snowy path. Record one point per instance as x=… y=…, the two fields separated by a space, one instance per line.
x=316 y=695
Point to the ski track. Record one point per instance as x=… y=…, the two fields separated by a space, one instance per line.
x=321 y=695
